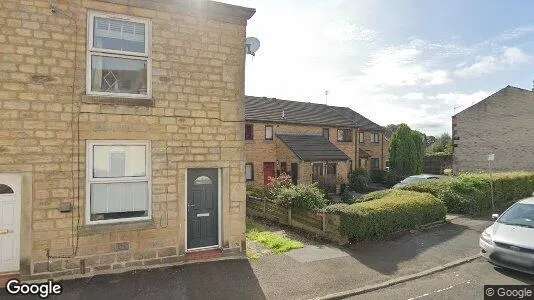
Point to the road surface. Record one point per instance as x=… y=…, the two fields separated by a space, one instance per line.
x=462 y=282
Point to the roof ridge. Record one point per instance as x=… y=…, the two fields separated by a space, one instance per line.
x=268 y=109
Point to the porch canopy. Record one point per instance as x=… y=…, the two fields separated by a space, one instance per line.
x=312 y=147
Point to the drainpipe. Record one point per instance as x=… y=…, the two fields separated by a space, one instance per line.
x=382 y=159
x=357 y=154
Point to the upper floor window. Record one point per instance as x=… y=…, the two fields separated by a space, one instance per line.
x=361 y=137
x=375 y=138
x=326 y=133
x=268 y=132
x=118 y=56
x=344 y=135
x=249 y=132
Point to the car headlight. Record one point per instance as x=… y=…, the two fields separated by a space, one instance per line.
x=486 y=237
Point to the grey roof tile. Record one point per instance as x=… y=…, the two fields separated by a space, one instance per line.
x=312 y=147
x=271 y=110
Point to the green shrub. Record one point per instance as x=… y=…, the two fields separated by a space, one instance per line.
x=255 y=190
x=470 y=193
x=276 y=183
x=376 y=195
x=447 y=172
x=326 y=186
x=377 y=176
x=359 y=180
x=303 y=196
x=349 y=196
x=395 y=211
x=391 y=178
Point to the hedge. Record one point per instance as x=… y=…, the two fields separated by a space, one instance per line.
x=470 y=193
x=379 y=218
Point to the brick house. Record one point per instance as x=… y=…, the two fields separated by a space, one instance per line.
x=308 y=141
x=501 y=124
x=121 y=134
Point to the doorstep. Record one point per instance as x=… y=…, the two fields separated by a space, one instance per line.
x=5 y=277
x=203 y=254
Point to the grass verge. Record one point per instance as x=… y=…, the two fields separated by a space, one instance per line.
x=274 y=242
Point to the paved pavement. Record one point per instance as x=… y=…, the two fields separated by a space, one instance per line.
x=309 y=274
x=463 y=282
x=316 y=270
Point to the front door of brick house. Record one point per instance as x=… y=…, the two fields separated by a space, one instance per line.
x=202 y=208
x=294 y=173
x=268 y=171
x=9 y=222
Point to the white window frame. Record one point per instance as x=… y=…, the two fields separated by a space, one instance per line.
x=90 y=179
x=91 y=50
x=272 y=132
x=251 y=171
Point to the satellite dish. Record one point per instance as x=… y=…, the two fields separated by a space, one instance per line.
x=252 y=44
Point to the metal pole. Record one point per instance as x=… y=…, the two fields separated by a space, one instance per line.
x=491 y=188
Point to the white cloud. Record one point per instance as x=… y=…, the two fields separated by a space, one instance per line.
x=510 y=58
x=514 y=34
x=398 y=66
x=513 y=55
x=343 y=31
x=460 y=100
x=413 y=96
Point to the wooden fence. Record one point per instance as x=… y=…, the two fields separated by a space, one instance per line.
x=327 y=226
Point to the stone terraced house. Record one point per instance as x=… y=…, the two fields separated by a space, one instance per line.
x=501 y=124
x=121 y=134
x=310 y=142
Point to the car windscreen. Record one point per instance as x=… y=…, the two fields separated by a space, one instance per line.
x=519 y=214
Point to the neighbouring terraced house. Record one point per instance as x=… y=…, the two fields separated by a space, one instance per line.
x=311 y=142
x=500 y=124
x=121 y=137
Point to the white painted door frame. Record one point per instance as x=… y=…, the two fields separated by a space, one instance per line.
x=10 y=210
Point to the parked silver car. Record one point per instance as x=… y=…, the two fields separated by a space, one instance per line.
x=416 y=178
x=509 y=242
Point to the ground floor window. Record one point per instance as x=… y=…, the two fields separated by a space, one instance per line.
x=118 y=181
x=375 y=163
x=249 y=171
x=317 y=170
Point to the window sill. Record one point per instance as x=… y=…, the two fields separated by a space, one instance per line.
x=97 y=99
x=90 y=229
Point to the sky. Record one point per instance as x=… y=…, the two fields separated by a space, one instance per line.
x=394 y=61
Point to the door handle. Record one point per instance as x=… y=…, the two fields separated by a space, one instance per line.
x=189 y=205
x=5 y=231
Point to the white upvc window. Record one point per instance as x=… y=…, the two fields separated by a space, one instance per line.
x=118 y=185
x=118 y=56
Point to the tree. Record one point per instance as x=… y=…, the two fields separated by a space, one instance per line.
x=429 y=140
x=390 y=129
x=443 y=144
x=406 y=151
